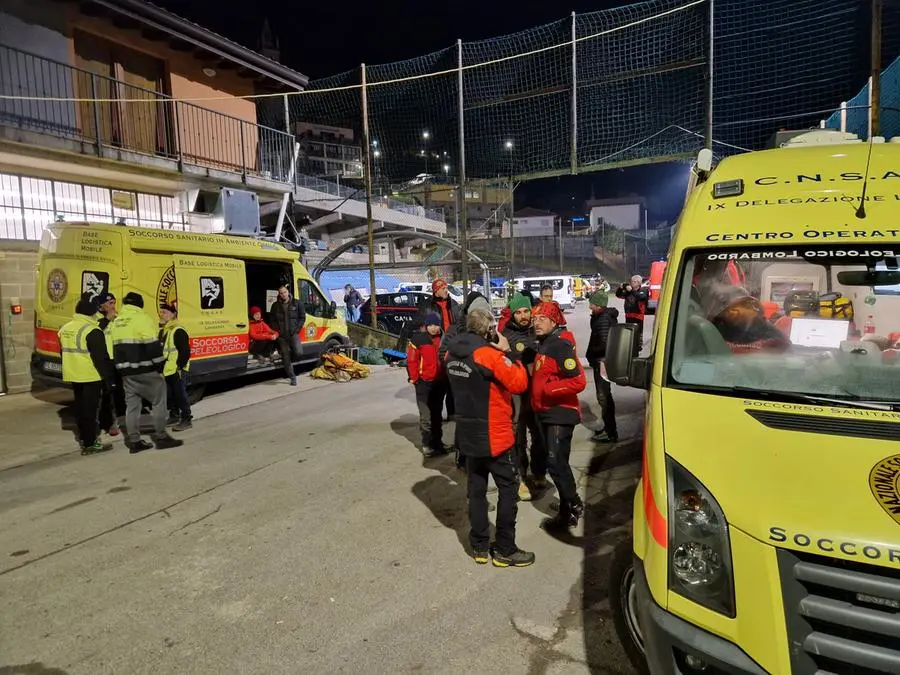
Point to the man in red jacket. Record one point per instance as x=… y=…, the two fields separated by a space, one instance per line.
x=483 y=379
x=557 y=380
x=263 y=339
x=426 y=374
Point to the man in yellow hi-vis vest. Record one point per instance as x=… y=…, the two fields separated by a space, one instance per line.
x=139 y=358
x=177 y=350
x=86 y=364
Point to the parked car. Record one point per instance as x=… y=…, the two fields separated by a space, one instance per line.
x=456 y=292
x=394 y=310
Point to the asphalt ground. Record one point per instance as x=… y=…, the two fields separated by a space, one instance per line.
x=298 y=530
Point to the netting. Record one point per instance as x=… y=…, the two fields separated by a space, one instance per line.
x=632 y=86
x=856 y=117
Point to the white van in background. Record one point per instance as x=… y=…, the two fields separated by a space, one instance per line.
x=563 y=288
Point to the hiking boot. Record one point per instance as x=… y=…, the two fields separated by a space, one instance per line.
x=167 y=442
x=139 y=446
x=519 y=558
x=428 y=452
x=94 y=448
x=184 y=425
x=293 y=380
x=603 y=436
x=443 y=449
x=576 y=511
x=524 y=492
x=173 y=419
x=481 y=557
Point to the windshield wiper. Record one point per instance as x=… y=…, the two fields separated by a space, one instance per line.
x=848 y=401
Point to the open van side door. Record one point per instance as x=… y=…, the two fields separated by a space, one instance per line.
x=211 y=297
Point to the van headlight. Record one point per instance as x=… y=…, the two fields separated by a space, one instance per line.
x=699 y=549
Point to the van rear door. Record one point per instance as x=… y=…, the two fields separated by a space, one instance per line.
x=211 y=295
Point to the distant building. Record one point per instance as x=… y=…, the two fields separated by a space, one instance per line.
x=529 y=222
x=629 y=213
x=328 y=151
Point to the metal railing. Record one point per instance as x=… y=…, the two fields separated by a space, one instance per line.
x=359 y=195
x=111 y=113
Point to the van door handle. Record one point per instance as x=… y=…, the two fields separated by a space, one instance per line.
x=240 y=325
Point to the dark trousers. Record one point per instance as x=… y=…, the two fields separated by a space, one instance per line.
x=525 y=422
x=504 y=472
x=262 y=348
x=451 y=406
x=112 y=404
x=640 y=331
x=430 y=401
x=177 y=396
x=559 y=446
x=287 y=357
x=605 y=399
x=87 y=410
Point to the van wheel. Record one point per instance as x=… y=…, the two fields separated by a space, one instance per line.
x=330 y=345
x=623 y=601
x=195 y=393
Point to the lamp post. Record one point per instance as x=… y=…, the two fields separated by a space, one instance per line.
x=425 y=136
x=510 y=147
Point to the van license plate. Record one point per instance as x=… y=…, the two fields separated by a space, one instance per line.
x=52 y=367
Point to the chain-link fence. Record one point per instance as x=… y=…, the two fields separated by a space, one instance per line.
x=646 y=82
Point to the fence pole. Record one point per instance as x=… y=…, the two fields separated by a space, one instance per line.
x=573 y=159
x=875 y=86
x=709 y=76
x=96 y=106
x=287 y=115
x=561 y=252
x=463 y=210
x=367 y=168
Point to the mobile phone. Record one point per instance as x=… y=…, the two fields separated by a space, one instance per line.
x=494 y=336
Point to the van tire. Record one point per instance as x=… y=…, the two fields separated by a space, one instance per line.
x=382 y=326
x=330 y=345
x=623 y=602
x=195 y=393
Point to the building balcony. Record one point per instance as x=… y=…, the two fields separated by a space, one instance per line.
x=113 y=119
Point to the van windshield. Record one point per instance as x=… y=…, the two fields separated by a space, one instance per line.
x=817 y=322
x=535 y=285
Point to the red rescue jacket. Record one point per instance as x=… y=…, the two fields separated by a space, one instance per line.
x=557 y=380
x=422 y=362
x=261 y=331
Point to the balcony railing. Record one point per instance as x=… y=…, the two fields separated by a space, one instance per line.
x=110 y=113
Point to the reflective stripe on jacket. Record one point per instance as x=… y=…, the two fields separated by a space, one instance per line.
x=77 y=364
x=170 y=351
x=135 y=341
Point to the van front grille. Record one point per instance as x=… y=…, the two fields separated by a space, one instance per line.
x=842 y=617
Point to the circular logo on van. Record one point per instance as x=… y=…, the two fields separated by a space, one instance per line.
x=166 y=292
x=57 y=285
x=884 y=482
x=311 y=331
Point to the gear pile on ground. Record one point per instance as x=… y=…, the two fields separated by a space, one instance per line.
x=339 y=368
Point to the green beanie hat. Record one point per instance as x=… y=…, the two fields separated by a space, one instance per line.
x=519 y=301
x=600 y=299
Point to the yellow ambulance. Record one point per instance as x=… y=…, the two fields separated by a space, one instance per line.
x=212 y=278
x=766 y=533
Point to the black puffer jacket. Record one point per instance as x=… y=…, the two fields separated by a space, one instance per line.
x=601 y=322
x=287 y=317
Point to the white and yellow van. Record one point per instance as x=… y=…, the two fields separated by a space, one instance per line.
x=213 y=278
x=766 y=535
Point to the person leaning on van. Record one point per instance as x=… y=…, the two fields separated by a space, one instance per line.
x=177 y=348
x=139 y=357
x=87 y=366
x=287 y=317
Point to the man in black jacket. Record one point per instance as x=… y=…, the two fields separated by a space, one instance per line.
x=112 y=407
x=636 y=300
x=288 y=317
x=603 y=317
x=441 y=304
x=522 y=342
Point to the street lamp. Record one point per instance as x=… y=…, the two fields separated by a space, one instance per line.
x=425 y=136
x=509 y=147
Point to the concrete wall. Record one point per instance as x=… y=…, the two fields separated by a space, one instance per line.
x=18 y=260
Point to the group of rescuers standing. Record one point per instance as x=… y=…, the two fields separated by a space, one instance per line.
x=503 y=381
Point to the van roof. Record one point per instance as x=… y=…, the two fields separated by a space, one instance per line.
x=803 y=194
x=172 y=241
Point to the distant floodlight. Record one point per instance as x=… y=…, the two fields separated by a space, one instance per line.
x=446 y=168
x=425 y=135
x=377 y=153
x=508 y=145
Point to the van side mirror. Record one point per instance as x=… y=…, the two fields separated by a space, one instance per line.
x=622 y=367
x=332 y=310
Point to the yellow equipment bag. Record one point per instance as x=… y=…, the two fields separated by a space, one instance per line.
x=339 y=368
x=835 y=306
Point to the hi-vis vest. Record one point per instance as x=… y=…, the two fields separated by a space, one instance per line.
x=169 y=349
x=77 y=365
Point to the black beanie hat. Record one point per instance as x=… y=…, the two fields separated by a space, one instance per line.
x=135 y=299
x=86 y=305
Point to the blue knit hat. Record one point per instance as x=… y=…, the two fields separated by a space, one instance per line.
x=432 y=319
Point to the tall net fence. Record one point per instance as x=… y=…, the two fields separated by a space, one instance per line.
x=604 y=89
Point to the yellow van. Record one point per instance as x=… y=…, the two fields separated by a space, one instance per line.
x=213 y=278
x=766 y=532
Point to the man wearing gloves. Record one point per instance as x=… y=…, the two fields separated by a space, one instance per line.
x=139 y=357
x=177 y=350
x=557 y=380
x=603 y=318
x=522 y=346
x=86 y=365
x=426 y=374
